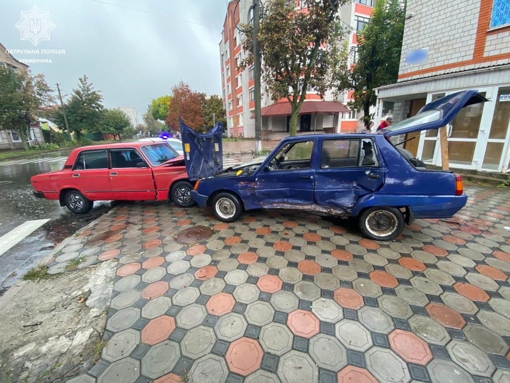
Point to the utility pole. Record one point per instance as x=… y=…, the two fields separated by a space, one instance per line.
x=63 y=109
x=256 y=75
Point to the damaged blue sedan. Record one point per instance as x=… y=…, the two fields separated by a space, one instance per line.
x=343 y=175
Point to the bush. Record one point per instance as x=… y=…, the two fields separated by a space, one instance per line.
x=83 y=141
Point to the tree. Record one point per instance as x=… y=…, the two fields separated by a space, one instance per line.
x=379 y=48
x=186 y=105
x=158 y=107
x=21 y=96
x=152 y=126
x=212 y=111
x=115 y=122
x=84 y=109
x=299 y=48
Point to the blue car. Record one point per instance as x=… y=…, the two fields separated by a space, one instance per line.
x=343 y=175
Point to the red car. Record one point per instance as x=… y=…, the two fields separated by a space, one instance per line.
x=131 y=171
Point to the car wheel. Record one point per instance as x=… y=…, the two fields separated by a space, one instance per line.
x=382 y=223
x=180 y=194
x=77 y=203
x=227 y=207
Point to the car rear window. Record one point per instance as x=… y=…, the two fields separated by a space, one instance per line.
x=348 y=153
x=92 y=159
x=159 y=153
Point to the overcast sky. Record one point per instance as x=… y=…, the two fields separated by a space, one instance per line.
x=132 y=50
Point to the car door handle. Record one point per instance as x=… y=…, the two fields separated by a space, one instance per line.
x=305 y=177
x=374 y=176
x=114 y=173
x=76 y=175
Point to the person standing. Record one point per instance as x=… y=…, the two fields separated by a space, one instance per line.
x=385 y=123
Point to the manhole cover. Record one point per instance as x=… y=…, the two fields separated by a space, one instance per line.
x=194 y=234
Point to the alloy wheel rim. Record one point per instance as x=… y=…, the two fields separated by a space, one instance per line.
x=183 y=195
x=381 y=223
x=76 y=202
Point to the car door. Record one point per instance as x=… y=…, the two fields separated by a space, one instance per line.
x=349 y=168
x=90 y=175
x=288 y=178
x=127 y=180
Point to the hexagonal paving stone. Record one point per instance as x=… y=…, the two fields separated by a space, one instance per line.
x=501 y=306
x=123 y=319
x=121 y=345
x=181 y=281
x=326 y=281
x=398 y=271
x=383 y=279
x=303 y=323
x=246 y=293
x=153 y=275
x=186 y=296
x=442 y=371
x=262 y=376
x=353 y=335
x=345 y=273
x=160 y=359
x=439 y=277
x=236 y=277
x=395 y=307
x=290 y=275
x=220 y=304
x=127 y=283
x=445 y=315
x=348 y=298
x=259 y=313
x=471 y=358
x=486 y=339
x=212 y=286
x=471 y=292
x=360 y=265
x=285 y=301
x=461 y=261
x=410 y=347
x=307 y=290
x=198 y=342
x=481 y=281
x=269 y=283
x=157 y=330
x=501 y=376
x=459 y=303
x=126 y=370
x=244 y=356
x=327 y=352
x=429 y=330
x=327 y=310
x=178 y=267
x=497 y=323
x=451 y=268
x=386 y=366
x=367 y=288
x=411 y=295
x=426 y=286
x=82 y=379
x=375 y=320
x=355 y=374
x=124 y=300
x=297 y=367
x=276 y=338
x=209 y=369
x=230 y=327
x=191 y=316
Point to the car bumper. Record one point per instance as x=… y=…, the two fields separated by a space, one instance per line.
x=200 y=199
x=39 y=194
x=445 y=209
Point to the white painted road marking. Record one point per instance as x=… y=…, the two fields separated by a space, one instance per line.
x=16 y=235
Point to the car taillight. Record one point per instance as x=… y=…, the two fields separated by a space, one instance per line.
x=459 y=186
x=196 y=185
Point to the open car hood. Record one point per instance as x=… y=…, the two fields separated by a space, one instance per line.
x=436 y=114
x=203 y=153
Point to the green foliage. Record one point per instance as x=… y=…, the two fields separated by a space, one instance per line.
x=212 y=111
x=158 y=107
x=21 y=96
x=299 y=50
x=505 y=183
x=37 y=273
x=115 y=122
x=379 y=48
x=152 y=126
x=82 y=141
x=45 y=147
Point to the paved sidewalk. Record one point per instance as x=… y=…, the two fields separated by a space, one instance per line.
x=282 y=297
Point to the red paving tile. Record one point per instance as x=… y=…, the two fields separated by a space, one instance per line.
x=412 y=264
x=348 y=298
x=113 y=238
x=383 y=279
x=369 y=244
x=183 y=222
x=196 y=250
x=263 y=231
x=290 y=224
x=445 y=315
x=120 y=217
x=491 y=272
x=502 y=256
x=312 y=237
x=351 y=374
x=282 y=246
x=206 y=272
x=338 y=229
x=150 y=230
x=170 y=378
x=341 y=255
x=495 y=215
x=151 y=263
x=414 y=227
x=233 y=240
x=434 y=250
x=220 y=304
x=269 y=283
x=155 y=290
x=221 y=226
x=109 y=254
x=309 y=267
x=179 y=213
x=470 y=230
x=85 y=233
x=249 y=219
x=152 y=244
x=410 y=347
x=244 y=356
x=128 y=269
x=471 y=292
x=454 y=240
x=120 y=226
x=158 y=330
x=303 y=323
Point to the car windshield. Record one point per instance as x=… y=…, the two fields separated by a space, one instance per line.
x=159 y=153
x=175 y=145
x=419 y=119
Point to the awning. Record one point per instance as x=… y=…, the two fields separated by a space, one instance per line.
x=308 y=107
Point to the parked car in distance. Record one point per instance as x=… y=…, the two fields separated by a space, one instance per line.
x=173 y=142
x=131 y=171
x=345 y=175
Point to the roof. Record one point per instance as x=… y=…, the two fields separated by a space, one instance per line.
x=118 y=145
x=308 y=107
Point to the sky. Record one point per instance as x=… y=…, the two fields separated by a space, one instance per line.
x=131 y=50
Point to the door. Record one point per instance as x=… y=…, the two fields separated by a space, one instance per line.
x=306 y=123
x=413 y=139
x=349 y=169
x=288 y=179
x=127 y=181
x=90 y=175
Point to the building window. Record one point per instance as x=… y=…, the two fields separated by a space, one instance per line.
x=240 y=120
x=354 y=54
x=239 y=100
x=252 y=94
x=15 y=136
x=251 y=72
x=370 y=3
x=228 y=71
x=231 y=120
x=361 y=22
x=352 y=114
x=230 y=105
x=500 y=13
x=228 y=88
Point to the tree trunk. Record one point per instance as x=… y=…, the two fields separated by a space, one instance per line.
x=366 y=112
x=23 y=136
x=293 y=120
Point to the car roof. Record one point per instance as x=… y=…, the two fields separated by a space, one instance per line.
x=330 y=136
x=118 y=145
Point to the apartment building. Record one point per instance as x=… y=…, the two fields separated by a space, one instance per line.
x=329 y=114
x=453 y=46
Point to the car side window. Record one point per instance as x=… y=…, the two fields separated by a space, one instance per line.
x=125 y=158
x=293 y=156
x=91 y=159
x=348 y=153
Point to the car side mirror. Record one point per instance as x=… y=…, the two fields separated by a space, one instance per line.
x=266 y=169
x=142 y=164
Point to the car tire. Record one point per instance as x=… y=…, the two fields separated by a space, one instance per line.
x=382 y=223
x=180 y=194
x=77 y=202
x=227 y=207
